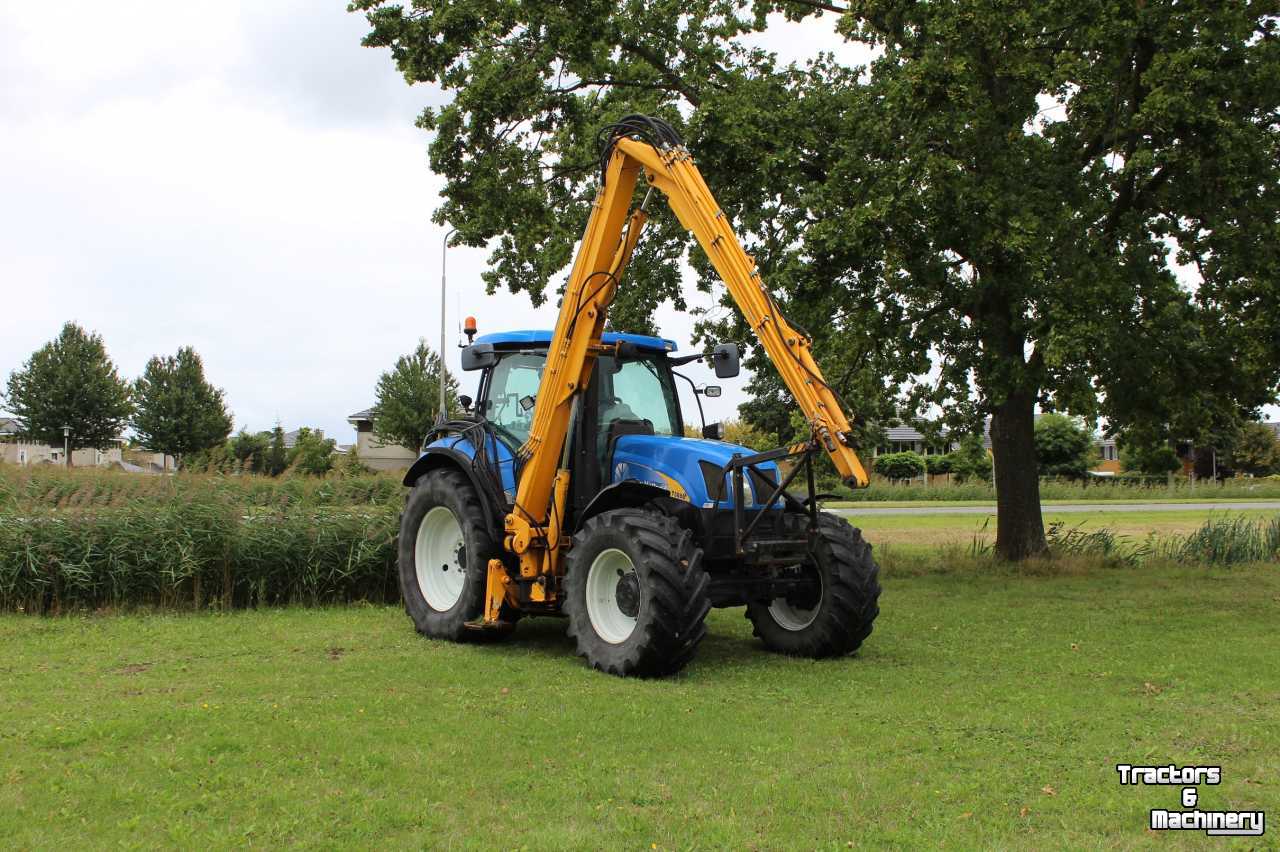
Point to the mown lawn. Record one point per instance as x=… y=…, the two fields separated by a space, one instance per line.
x=987 y=710
x=928 y=532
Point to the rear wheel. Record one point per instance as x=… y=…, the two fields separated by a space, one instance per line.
x=835 y=615
x=635 y=593
x=444 y=553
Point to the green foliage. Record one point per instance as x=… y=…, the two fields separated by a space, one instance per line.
x=70 y=381
x=349 y=465
x=178 y=411
x=906 y=465
x=250 y=451
x=1063 y=447
x=995 y=195
x=312 y=453
x=744 y=434
x=1151 y=459
x=408 y=398
x=275 y=460
x=1256 y=450
x=244 y=452
x=970 y=460
x=939 y=464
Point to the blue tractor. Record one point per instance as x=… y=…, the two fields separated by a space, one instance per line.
x=650 y=514
x=570 y=487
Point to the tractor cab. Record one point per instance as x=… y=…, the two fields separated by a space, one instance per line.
x=629 y=432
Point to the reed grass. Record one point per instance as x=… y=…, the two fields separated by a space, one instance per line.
x=74 y=540
x=84 y=488
x=93 y=539
x=1221 y=540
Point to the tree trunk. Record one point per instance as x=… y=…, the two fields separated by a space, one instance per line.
x=1019 y=527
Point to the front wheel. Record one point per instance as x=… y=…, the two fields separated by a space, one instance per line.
x=836 y=615
x=445 y=547
x=635 y=593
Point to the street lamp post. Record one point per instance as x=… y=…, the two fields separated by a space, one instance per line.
x=442 y=415
x=66 y=446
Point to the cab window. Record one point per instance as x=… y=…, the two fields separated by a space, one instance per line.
x=514 y=377
x=640 y=391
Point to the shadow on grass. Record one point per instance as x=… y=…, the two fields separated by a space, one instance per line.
x=728 y=646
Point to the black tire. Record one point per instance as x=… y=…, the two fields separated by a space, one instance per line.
x=672 y=589
x=451 y=490
x=847 y=605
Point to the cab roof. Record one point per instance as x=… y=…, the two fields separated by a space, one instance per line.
x=543 y=337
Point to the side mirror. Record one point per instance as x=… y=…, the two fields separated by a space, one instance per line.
x=478 y=356
x=711 y=391
x=714 y=431
x=726 y=360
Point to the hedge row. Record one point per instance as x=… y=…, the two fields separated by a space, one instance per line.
x=195 y=553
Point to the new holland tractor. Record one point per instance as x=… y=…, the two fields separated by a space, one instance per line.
x=570 y=488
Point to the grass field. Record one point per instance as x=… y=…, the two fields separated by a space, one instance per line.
x=940 y=504
x=920 y=533
x=987 y=710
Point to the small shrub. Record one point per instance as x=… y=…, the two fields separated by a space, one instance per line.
x=906 y=465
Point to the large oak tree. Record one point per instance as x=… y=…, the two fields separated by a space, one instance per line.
x=1070 y=204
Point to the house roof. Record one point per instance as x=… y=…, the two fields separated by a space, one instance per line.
x=904 y=433
x=910 y=433
x=9 y=426
x=361 y=416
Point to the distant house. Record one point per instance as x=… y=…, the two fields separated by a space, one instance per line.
x=20 y=449
x=373 y=453
x=901 y=439
x=1108 y=463
x=907 y=439
x=291 y=441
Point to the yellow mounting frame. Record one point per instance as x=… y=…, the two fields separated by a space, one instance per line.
x=533 y=530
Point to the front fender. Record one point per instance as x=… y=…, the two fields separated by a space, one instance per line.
x=623 y=495
x=436 y=457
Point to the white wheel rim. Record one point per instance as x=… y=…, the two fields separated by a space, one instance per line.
x=607 y=618
x=791 y=617
x=441 y=574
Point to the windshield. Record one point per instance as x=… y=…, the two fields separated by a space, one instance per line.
x=514 y=377
x=641 y=390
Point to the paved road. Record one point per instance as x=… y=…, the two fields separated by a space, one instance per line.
x=1066 y=508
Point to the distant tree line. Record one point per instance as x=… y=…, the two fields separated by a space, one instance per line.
x=1065 y=449
x=173 y=409
x=70 y=389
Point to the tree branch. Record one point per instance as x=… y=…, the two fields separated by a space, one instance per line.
x=817 y=4
x=658 y=63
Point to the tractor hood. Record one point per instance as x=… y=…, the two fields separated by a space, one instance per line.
x=685 y=467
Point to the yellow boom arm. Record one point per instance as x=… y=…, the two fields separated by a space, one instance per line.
x=534 y=528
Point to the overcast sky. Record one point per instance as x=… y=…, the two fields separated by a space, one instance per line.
x=246 y=180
